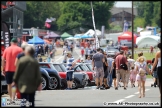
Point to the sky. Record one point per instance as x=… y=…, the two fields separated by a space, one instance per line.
x=123 y=4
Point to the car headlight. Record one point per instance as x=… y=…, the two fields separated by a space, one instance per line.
x=87 y=77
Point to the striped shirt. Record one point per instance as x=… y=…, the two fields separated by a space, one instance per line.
x=69 y=64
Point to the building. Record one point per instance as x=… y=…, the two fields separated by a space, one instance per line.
x=119 y=14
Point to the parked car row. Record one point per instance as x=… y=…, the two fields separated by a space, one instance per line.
x=54 y=76
x=83 y=74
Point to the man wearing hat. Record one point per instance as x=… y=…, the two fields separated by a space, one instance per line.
x=8 y=63
x=70 y=69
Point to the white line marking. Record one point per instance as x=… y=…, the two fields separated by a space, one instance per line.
x=136 y=93
x=147 y=89
x=119 y=100
x=129 y=96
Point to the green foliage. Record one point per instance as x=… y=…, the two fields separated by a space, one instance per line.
x=150 y=12
x=139 y=22
x=37 y=12
x=79 y=14
x=116 y=28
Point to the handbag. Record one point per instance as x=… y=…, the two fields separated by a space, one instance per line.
x=123 y=65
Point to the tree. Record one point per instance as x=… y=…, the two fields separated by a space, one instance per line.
x=79 y=14
x=37 y=12
x=139 y=22
x=148 y=13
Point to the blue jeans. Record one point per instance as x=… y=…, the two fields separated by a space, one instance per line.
x=110 y=79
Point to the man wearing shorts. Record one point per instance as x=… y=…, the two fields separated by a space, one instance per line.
x=121 y=73
x=8 y=62
x=70 y=69
x=97 y=64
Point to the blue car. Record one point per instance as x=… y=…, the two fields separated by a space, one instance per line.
x=55 y=79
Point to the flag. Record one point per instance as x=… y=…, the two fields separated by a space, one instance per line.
x=52 y=19
x=48 y=20
x=96 y=41
x=47 y=25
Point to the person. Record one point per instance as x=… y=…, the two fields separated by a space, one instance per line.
x=151 y=50
x=23 y=45
x=106 y=73
x=88 y=60
x=110 y=60
x=130 y=65
x=48 y=59
x=40 y=58
x=8 y=64
x=154 y=74
x=141 y=69
x=97 y=65
x=71 y=47
x=81 y=60
x=158 y=63
x=113 y=71
x=27 y=76
x=132 y=77
x=70 y=69
x=82 y=51
x=121 y=73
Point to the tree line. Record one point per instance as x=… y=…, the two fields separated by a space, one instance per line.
x=149 y=14
x=69 y=16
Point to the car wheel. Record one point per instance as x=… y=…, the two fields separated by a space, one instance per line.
x=63 y=84
x=44 y=82
x=75 y=84
x=54 y=83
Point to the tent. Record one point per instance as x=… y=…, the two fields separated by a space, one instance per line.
x=147 y=41
x=86 y=36
x=127 y=36
x=91 y=32
x=36 y=40
x=65 y=35
x=51 y=35
x=70 y=38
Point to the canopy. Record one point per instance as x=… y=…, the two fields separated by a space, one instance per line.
x=77 y=36
x=36 y=40
x=70 y=38
x=127 y=36
x=91 y=32
x=51 y=35
x=65 y=35
x=85 y=36
x=147 y=41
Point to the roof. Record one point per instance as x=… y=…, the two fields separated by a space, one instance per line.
x=116 y=10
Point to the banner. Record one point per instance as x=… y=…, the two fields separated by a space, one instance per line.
x=97 y=42
x=5 y=36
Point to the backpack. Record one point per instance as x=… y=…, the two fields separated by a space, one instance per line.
x=142 y=71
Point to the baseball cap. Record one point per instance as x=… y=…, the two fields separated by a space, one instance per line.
x=14 y=40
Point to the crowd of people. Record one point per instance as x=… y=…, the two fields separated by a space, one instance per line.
x=21 y=69
x=122 y=68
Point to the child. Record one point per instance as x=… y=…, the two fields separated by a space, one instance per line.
x=82 y=52
x=132 y=77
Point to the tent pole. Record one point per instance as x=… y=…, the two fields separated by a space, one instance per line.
x=132 y=32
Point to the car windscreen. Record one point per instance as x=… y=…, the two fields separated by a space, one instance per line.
x=89 y=66
x=57 y=67
x=63 y=67
x=85 y=68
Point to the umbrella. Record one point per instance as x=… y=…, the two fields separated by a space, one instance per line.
x=86 y=36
